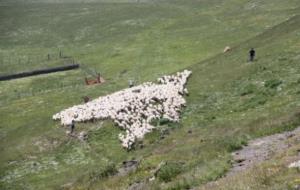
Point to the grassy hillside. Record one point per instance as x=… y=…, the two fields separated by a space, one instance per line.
x=230 y=102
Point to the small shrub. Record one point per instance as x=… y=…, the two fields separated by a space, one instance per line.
x=273 y=83
x=163 y=121
x=168 y=171
x=233 y=144
x=96 y=175
x=180 y=185
x=109 y=170
x=249 y=89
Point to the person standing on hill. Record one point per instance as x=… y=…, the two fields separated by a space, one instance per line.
x=251 y=55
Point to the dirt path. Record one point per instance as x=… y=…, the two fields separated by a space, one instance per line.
x=257 y=151
x=261 y=149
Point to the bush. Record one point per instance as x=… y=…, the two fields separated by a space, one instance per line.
x=164 y=121
x=236 y=145
x=273 y=83
x=233 y=144
x=109 y=170
x=161 y=121
x=180 y=185
x=168 y=171
x=249 y=89
x=96 y=175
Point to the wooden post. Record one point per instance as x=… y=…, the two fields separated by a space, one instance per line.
x=98 y=78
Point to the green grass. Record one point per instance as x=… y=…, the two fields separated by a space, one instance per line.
x=169 y=170
x=231 y=101
x=271 y=174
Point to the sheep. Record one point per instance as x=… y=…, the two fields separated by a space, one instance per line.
x=133 y=109
x=227 y=49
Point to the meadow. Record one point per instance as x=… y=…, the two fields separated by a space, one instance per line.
x=231 y=100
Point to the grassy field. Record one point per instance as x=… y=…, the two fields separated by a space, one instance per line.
x=231 y=101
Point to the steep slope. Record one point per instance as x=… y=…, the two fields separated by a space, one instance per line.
x=230 y=102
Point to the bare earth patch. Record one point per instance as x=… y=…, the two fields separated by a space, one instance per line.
x=261 y=149
x=245 y=175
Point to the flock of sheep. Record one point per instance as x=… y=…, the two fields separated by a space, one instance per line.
x=133 y=109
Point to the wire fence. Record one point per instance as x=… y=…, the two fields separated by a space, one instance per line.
x=12 y=63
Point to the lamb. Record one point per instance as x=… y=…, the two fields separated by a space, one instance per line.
x=134 y=108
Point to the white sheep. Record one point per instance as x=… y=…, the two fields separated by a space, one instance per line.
x=133 y=109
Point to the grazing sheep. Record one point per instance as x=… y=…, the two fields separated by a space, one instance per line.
x=227 y=49
x=134 y=108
